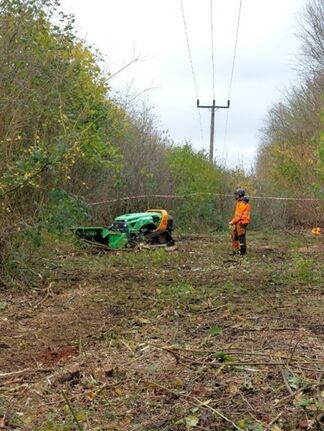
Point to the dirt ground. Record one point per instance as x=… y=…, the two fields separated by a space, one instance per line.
x=189 y=339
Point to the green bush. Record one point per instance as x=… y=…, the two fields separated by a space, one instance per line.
x=198 y=181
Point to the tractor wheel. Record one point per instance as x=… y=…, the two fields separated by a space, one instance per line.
x=146 y=233
x=165 y=238
x=162 y=238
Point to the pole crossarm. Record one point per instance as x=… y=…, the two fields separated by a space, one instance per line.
x=213 y=108
x=213 y=105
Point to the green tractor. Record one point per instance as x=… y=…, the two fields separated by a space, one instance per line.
x=153 y=227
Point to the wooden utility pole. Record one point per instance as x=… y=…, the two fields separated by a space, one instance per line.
x=212 y=108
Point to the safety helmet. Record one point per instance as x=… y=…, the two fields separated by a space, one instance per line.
x=239 y=193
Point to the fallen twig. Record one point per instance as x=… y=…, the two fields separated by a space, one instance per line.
x=200 y=403
x=217 y=412
x=10 y=382
x=26 y=370
x=174 y=354
x=238 y=352
x=268 y=329
x=251 y=407
x=15 y=373
x=48 y=294
x=72 y=411
x=286 y=381
x=238 y=364
x=215 y=364
x=268 y=427
x=293 y=351
x=287 y=398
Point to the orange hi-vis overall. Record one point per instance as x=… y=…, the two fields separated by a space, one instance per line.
x=240 y=221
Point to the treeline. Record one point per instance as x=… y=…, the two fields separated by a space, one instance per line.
x=65 y=142
x=290 y=160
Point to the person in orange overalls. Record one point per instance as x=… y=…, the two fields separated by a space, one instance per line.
x=240 y=222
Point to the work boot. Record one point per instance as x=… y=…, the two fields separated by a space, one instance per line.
x=242 y=243
x=242 y=251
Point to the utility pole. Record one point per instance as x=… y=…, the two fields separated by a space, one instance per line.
x=212 y=109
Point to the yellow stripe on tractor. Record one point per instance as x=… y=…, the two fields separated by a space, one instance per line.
x=164 y=219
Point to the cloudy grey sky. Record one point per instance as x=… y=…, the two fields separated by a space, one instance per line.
x=154 y=30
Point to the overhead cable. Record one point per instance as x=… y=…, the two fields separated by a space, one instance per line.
x=235 y=48
x=192 y=66
x=233 y=66
x=212 y=45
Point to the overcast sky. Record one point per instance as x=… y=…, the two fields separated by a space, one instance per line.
x=154 y=30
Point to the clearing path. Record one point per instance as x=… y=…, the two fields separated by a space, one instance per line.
x=191 y=339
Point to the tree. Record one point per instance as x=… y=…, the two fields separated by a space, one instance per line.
x=311 y=36
x=54 y=110
x=57 y=125
x=289 y=160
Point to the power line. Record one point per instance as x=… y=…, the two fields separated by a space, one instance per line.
x=192 y=67
x=189 y=50
x=212 y=45
x=235 y=48
x=213 y=108
x=233 y=66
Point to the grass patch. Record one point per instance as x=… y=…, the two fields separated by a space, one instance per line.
x=231 y=287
